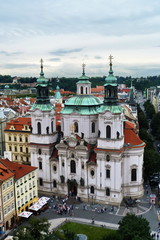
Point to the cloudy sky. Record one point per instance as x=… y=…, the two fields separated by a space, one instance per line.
x=66 y=33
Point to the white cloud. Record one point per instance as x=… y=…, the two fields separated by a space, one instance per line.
x=79 y=31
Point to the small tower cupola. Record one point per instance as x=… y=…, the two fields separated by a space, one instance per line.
x=42 y=88
x=83 y=85
x=111 y=87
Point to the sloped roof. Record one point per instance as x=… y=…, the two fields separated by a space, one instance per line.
x=131 y=139
x=5 y=173
x=18 y=123
x=18 y=169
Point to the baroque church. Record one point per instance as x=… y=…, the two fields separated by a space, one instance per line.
x=97 y=156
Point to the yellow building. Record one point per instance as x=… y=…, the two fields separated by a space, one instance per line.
x=17 y=139
x=7 y=198
x=26 y=192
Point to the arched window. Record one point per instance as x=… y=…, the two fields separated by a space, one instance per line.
x=75 y=127
x=54 y=184
x=72 y=155
x=108 y=131
x=26 y=150
x=39 y=127
x=134 y=174
x=40 y=165
x=86 y=90
x=39 y=151
x=118 y=135
x=81 y=90
x=92 y=173
x=41 y=181
x=52 y=126
x=47 y=130
x=107 y=192
x=107 y=173
x=73 y=166
x=107 y=158
x=93 y=127
x=92 y=189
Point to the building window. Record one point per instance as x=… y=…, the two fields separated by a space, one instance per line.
x=107 y=173
x=9 y=208
x=92 y=173
x=39 y=151
x=118 y=134
x=11 y=193
x=27 y=159
x=8 y=196
x=108 y=131
x=39 y=128
x=40 y=165
x=10 y=148
x=52 y=129
x=9 y=138
x=26 y=150
x=54 y=184
x=92 y=189
x=21 y=149
x=26 y=139
x=11 y=182
x=15 y=148
x=4 y=186
x=7 y=184
x=41 y=181
x=81 y=90
x=93 y=127
x=16 y=157
x=62 y=164
x=4 y=199
x=82 y=165
x=82 y=182
x=54 y=168
x=75 y=127
x=20 y=139
x=107 y=158
x=62 y=179
x=15 y=138
x=107 y=192
x=12 y=205
x=134 y=174
x=73 y=166
x=5 y=211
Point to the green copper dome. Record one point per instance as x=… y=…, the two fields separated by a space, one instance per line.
x=83 y=100
x=82 y=104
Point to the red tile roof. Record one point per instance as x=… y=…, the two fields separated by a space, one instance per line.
x=18 y=169
x=130 y=137
x=5 y=173
x=18 y=123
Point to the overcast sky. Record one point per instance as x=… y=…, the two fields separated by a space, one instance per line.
x=66 y=33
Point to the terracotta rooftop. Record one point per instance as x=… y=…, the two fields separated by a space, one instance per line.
x=18 y=169
x=5 y=173
x=18 y=123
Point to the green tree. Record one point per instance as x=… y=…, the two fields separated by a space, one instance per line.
x=132 y=227
x=38 y=228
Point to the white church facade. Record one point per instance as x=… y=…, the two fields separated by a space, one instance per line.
x=98 y=156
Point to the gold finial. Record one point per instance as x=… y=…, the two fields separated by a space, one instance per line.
x=83 y=66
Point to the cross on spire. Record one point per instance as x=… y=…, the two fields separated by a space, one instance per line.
x=110 y=58
x=83 y=66
x=41 y=61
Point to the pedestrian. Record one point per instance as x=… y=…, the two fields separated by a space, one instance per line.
x=92 y=220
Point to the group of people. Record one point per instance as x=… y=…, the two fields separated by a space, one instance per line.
x=63 y=209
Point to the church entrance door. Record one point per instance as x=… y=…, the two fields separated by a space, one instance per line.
x=72 y=187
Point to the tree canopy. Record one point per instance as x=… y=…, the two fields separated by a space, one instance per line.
x=133 y=227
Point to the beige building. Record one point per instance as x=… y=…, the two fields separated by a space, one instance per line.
x=7 y=203
x=17 y=138
x=26 y=192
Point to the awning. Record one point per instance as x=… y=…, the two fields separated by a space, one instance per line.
x=41 y=202
x=25 y=214
x=35 y=207
x=46 y=199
